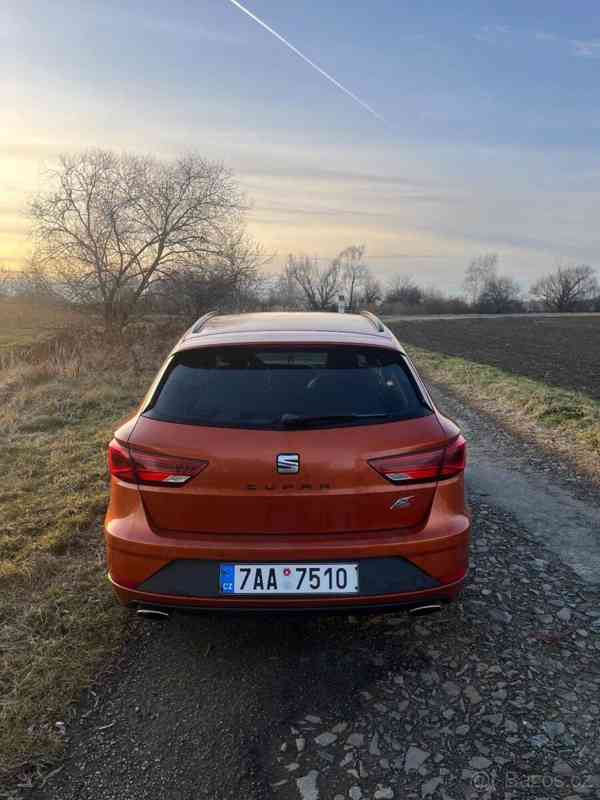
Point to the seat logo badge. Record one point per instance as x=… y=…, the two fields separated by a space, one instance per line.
x=288 y=463
x=403 y=502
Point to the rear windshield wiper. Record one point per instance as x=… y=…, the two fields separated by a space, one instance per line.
x=292 y=420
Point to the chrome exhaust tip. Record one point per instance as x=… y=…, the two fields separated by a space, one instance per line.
x=423 y=611
x=152 y=613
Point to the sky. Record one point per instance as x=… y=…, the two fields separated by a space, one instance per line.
x=466 y=127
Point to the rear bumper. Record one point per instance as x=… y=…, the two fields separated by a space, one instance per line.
x=347 y=605
x=436 y=560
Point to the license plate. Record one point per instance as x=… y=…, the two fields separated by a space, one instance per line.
x=289 y=578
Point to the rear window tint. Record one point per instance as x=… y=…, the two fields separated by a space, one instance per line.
x=255 y=387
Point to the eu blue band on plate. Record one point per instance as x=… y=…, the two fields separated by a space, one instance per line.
x=227 y=578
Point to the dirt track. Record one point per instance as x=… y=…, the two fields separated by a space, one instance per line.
x=501 y=691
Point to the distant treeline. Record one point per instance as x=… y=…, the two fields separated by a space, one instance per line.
x=119 y=235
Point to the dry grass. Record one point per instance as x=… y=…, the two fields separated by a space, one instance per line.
x=24 y=323
x=562 y=421
x=58 y=619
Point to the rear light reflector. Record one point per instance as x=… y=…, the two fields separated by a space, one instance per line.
x=137 y=466
x=431 y=465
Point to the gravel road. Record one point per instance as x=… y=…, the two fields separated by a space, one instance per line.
x=496 y=697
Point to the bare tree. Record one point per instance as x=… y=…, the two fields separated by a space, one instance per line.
x=479 y=272
x=567 y=288
x=225 y=282
x=110 y=226
x=403 y=290
x=320 y=286
x=354 y=275
x=500 y=295
x=372 y=293
x=284 y=293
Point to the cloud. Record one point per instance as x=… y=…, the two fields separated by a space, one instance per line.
x=166 y=26
x=586 y=49
x=13 y=231
x=582 y=48
x=31 y=149
x=304 y=172
x=375 y=256
x=10 y=210
x=190 y=32
x=491 y=34
x=282 y=209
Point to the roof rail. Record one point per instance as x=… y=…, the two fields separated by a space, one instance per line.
x=375 y=321
x=201 y=322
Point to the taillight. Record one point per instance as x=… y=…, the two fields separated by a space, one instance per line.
x=430 y=465
x=455 y=458
x=166 y=470
x=119 y=462
x=411 y=467
x=137 y=466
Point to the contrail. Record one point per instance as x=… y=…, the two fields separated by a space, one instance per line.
x=329 y=77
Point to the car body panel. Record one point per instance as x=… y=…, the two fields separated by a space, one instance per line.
x=239 y=509
x=241 y=491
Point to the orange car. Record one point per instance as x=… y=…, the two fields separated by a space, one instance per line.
x=287 y=461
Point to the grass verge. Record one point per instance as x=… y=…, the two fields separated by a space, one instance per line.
x=563 y=421
x=24 y=323
x=58 y=618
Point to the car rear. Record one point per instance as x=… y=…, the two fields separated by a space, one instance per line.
x=287 y=473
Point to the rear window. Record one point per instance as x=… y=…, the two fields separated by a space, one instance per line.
x=277 y=388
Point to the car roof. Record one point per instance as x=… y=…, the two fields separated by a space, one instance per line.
x=297 y=327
